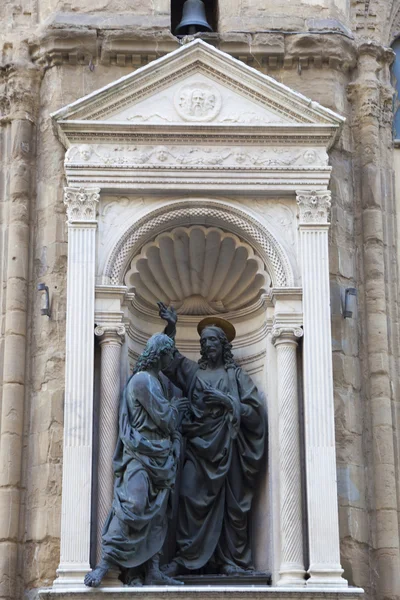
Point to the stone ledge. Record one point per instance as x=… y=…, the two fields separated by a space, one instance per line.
x=234 y=592
x=134 y=40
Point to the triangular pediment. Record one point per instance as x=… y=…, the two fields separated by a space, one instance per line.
x=197 y=85
x=199 y=99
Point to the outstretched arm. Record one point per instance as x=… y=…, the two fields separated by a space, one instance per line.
x=181 y=370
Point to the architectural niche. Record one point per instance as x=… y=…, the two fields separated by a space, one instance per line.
x=200 y=271
x=207 y=212
x=209 y=164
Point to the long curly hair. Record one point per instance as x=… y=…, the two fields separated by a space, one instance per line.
x=157 y=345
x=227 y=355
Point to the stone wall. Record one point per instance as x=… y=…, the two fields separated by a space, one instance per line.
x=52 y=53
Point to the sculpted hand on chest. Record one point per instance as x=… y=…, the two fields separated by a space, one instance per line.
x=210 y=392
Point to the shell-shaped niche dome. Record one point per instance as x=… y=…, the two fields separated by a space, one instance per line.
x=198 y=270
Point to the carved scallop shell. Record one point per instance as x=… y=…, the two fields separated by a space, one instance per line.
x=198 y=270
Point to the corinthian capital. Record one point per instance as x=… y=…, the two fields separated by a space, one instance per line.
x=314 y=206
x=81 y=203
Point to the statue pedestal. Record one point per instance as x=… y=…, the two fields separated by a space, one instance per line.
x=256 y=578
x=204 y=592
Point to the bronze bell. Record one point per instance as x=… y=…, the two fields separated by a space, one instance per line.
x=193 y=18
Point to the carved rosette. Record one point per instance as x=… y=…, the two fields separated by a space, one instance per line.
x=81 y=203
x=314 y=206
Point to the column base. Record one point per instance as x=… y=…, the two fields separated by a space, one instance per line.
x=326 y=577
x=291 y=576
x=71 y=576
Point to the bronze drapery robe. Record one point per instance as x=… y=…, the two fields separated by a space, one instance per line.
x=145 y=464
x=222 y=459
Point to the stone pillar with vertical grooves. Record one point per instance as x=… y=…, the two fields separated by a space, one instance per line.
x=81 y=206
x=291 y=571
x=322 y=503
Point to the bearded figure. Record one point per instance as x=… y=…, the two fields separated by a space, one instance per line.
x=225 y=442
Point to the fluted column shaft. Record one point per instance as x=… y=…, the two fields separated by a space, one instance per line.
x=111 y=339
x=291 y=570
x=78 y=409
x=322 y=502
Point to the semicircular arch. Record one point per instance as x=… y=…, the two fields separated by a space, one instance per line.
x=210 y=213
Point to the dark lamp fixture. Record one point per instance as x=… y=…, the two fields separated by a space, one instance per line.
x=193 y=18
x=45 y=310
x=347 y=314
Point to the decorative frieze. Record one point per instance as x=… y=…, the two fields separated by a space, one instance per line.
x=174 y=156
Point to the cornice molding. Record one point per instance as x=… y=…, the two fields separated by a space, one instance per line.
x=66 y=43
x=218 y=153
x=198 y=57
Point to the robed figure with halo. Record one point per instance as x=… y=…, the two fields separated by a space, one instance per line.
x=225 y=433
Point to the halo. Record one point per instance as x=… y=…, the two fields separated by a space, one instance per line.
x=226 y=326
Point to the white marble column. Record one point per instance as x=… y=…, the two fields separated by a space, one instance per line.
x=322 y=502
x=291 y=571
x=81 y=206
x=111 y=339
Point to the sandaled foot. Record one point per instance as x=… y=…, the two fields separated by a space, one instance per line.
x=94 y=578
x=171 y=569
x=235 y=571
x=135 y=582
x=157 y=577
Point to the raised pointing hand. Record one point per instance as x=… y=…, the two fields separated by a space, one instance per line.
x=167 y=313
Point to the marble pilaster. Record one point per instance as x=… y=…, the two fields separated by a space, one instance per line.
x=322 y=503
x=81 y=204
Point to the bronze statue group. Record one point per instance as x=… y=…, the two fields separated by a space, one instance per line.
x=219 y=426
